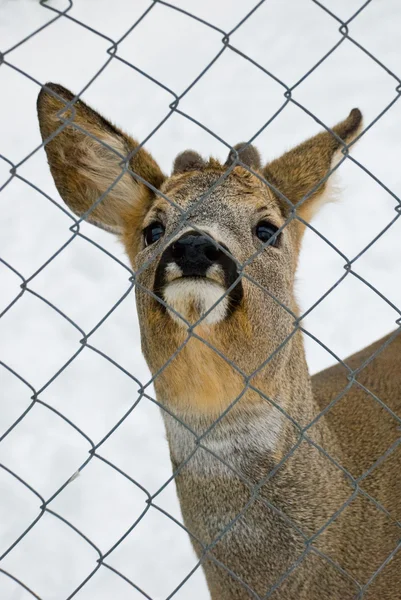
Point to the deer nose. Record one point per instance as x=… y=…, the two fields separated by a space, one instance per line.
x=194 y=253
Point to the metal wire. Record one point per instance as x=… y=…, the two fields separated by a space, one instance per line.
x=44 y=506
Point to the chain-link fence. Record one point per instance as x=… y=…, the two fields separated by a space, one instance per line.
x=44 y=505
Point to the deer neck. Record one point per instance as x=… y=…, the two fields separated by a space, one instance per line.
x=216 y=410
x=253 y=462
x=250 y=438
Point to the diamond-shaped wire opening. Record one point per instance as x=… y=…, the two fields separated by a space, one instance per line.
x=50 y=545
x=46 y=461
x=118 y=502
x=72 y=393
x=38 y=347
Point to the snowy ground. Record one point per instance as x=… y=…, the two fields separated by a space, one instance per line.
x=234 y=100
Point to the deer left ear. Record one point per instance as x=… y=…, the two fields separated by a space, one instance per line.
x=299 y=171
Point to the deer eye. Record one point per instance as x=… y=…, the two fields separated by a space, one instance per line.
x=153 y=232
x=265 y=230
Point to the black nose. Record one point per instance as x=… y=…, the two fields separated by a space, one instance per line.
x=194 y=254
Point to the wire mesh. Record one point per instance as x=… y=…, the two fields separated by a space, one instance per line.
x=45 y=505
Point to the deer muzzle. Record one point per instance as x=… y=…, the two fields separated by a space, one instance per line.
x=199 y=279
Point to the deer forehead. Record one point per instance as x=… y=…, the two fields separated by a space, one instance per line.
x=237 y=182
x=211 y=199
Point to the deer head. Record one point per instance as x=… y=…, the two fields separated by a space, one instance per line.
x=214 y=247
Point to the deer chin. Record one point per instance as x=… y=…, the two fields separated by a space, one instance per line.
x=193 y=297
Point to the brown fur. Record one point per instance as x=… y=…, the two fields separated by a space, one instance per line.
x=188 y=161
x=259 y=499
x=248 y=155
x=84 y=166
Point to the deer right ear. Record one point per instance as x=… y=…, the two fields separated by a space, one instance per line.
x=85 y=158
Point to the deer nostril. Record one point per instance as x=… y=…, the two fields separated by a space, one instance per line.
x=212 y=253
x=177 y=251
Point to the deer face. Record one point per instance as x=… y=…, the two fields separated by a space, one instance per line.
x=214 y=263
x=195 y=263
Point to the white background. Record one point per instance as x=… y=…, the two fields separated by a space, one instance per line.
x=234 y=99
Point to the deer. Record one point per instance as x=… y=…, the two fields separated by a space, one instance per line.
x=289 y=485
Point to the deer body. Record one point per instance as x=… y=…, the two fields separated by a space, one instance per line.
x=280 y=497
